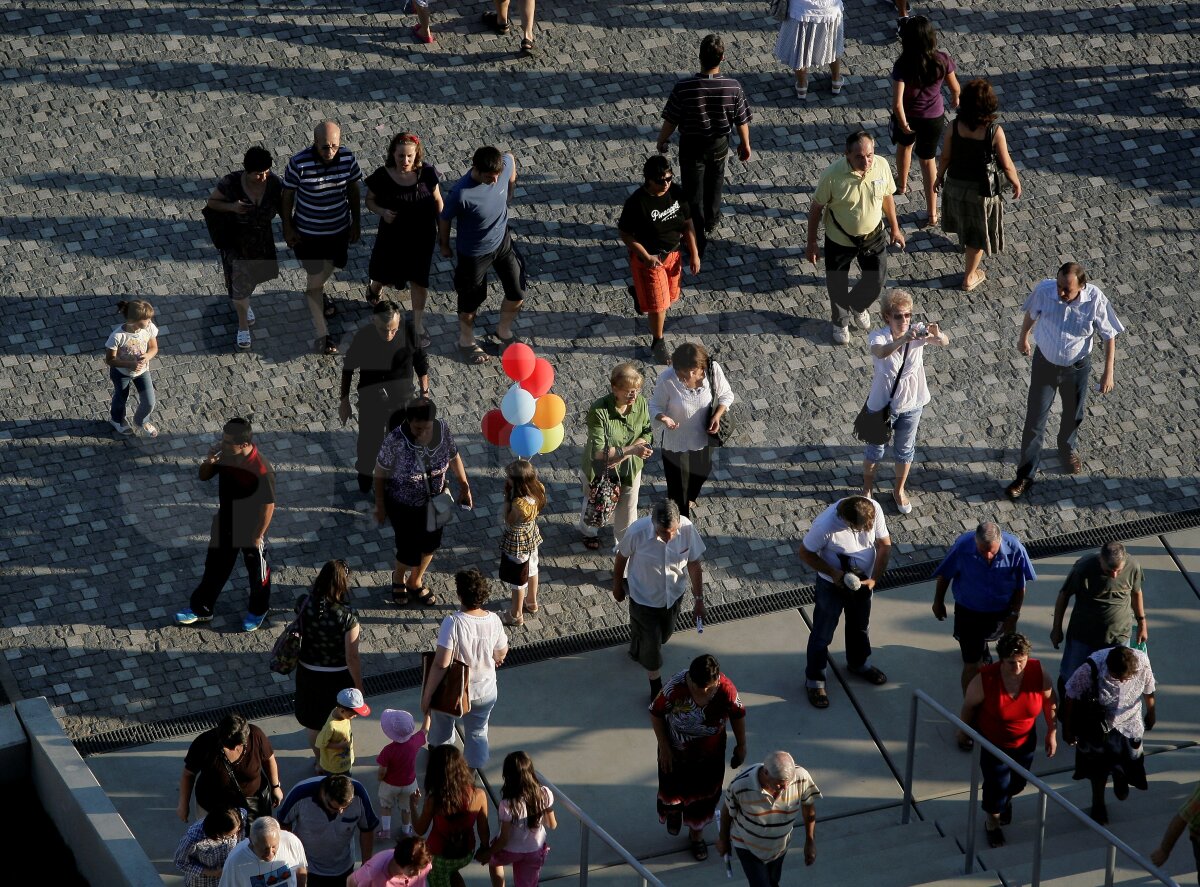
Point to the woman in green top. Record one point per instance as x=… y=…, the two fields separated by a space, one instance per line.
x=618 y=436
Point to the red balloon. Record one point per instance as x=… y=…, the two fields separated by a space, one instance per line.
x=541 y=379
x=495 y=429
x=518 y=361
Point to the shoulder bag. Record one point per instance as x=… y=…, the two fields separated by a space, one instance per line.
x=731 y=420
x=1089 y=719
x=603 y=492
x=222 y=228
x=875 y=426
x=285 y=655
x=452 y=695
x=439 y=509
x=994 y=182
x=779 y=10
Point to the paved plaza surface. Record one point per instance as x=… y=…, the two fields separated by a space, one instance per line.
x=118 y=118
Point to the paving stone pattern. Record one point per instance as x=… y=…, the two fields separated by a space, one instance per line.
x=118 y=117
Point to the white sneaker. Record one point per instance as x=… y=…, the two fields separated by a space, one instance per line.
x=249 y=314
x=243 y=338
x=862 y=320
x=841 y=335
x=120 y=427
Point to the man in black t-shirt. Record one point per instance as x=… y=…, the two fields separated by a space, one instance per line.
x=246 y=493
x=655 y=221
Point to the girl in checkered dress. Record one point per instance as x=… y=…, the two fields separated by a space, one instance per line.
x=524 y=497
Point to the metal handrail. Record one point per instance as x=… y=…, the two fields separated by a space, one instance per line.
x=588 y=825
x=1114 y=843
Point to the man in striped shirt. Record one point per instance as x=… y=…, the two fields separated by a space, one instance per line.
x=1062 y=315
x=759 y=812
x=321 y=210
x=706 y=108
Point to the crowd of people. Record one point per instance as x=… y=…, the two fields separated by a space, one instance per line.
x=406 y=458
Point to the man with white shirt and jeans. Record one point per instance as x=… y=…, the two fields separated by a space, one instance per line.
x=656 y=559
x=1062 y=315
x=848 y=545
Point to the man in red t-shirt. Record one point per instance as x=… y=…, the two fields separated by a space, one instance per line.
x=246 y=493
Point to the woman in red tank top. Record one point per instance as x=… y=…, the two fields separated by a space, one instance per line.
x=451 y=809
x=1003 y=702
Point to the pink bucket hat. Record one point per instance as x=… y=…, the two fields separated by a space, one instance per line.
x=397 y=725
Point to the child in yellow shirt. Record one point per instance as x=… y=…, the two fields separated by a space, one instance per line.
x=335 y=742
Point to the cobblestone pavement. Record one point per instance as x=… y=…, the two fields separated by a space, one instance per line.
x=118 y=117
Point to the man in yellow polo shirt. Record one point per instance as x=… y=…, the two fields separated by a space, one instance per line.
x=853 y=195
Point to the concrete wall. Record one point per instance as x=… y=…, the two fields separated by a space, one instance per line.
x=14 y=747
x=106 y=852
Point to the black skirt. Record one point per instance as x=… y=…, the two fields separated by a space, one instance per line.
x=316 y=694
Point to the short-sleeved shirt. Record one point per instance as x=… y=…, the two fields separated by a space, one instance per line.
x=399 y=760
x=760 y=824
x=521 y=838
x=326 y=624
x=337 y=730
x=830 y=536
x=374 y=873
x=1063 y=330
x=924 y=102
x=220 y=785
x=328 y=841
x=197 y=852
x=707 y=105
x=606 y=427
x=475 y=640
x=657 y=223
x=913 y=391
x=697 y=728
x=1103 y=611
x=131 y=346
x=322 y=203
x=856 y=201
x=380 y=361
x=1190 y=813
x=481 y=210
x=243 y=868
x=1122 y=700
x=406 y=463
x=981 y=586
x=657 y=570
x=243 y=490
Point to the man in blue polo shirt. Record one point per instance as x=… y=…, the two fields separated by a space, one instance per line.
x=325 y=813
x=988 y=570
x=479 y=203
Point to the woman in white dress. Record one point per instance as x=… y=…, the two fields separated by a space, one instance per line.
x=812 y=35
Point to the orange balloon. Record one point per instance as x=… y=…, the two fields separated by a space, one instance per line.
x=549 y=411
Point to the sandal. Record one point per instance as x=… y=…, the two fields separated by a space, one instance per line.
x=699 y=850
x=966 y=288
x=423 y=340
x=421 y=35
x=372 y=296
x=330 y=309
x=511 y=620
x=529 y=609
x=424 y=596
x=399 y=594
x=526 y=46
x=511 y=340
x=995 y=836
x=835 y=86
x=149 y=429
x=817 y=697
x=326 y=345
x=872 y=675
x=591 y=543
x=493 y=21
x=472 y=354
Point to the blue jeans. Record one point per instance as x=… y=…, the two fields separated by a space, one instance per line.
x=904 y=438
x=121 y=384
x=1046 y=380
x=1074 y=654
x=830 y=601
x=1000 y=783
x=759 y=873
x=475 y=730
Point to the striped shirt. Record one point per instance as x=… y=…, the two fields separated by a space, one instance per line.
x=1063 y=330
x=707 y=105
x=322 y=207
x=759 y=823
x=197 y=852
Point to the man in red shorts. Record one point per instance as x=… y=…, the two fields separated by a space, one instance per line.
x=653 y=223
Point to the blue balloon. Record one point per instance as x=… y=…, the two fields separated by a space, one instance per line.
x=526 y=440
x=518 y=406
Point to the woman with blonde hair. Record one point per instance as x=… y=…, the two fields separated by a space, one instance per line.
x=898 y=353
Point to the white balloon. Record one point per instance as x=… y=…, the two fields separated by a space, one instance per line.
x=518 y=406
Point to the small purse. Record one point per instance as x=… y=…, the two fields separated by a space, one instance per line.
x=731 y=420
x=439 y=510
x=875 y=426
x=603 y=493
x=994 y=182
x=285 y=654
x=452 y=695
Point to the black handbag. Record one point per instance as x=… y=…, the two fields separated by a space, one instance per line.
x=994 y=182
x=875 y=426
x=731 y=420
x=1089 y=719
x=222 y=228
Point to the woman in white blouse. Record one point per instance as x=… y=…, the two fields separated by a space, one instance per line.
x=889 y=345
x=682 y=402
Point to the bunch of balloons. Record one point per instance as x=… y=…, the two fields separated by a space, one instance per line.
x=530 y=419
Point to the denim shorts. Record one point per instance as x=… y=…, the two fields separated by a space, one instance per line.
x=904 y=438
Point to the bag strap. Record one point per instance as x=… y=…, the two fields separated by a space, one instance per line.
x=989 y=154
x=896 y=384
x=856 y=239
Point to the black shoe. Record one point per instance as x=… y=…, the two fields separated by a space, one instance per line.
x=655 y=689
x=1120 y=787
x=900 y=23
x=1018 y=488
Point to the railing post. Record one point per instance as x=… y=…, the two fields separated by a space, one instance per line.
x=973 y=811
x=1110 y=865
x=909 y=760
x=1040 y=840
x=583 y=854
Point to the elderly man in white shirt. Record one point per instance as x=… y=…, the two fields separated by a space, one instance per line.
x=1062 y=315
x=849 y=546
x=657 y=558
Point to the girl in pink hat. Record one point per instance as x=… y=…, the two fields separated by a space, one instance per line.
x=397 y=769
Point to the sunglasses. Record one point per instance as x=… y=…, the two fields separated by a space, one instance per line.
x=663 y=179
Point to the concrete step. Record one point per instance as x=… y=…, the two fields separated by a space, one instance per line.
x=1086 y=869
x=975 y=879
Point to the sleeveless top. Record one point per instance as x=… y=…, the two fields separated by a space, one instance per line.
x=968 y=160
x=443 y=827
x=1003 y=720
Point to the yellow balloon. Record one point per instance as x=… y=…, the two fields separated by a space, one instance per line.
x=549 y=411
x=551 y=438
